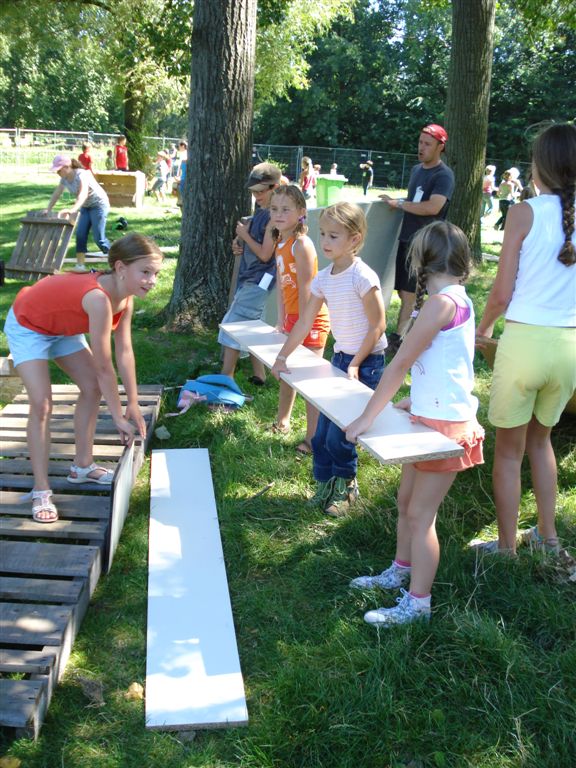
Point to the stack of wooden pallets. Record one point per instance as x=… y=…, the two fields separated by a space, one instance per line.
x=49 y=571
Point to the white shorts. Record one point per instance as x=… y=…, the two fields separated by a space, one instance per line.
x=26 y=345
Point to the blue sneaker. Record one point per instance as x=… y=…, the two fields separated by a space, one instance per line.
x=409 y=609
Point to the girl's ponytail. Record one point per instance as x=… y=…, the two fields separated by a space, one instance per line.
x=567 y=255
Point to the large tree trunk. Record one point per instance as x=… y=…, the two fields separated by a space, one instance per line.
x=134 y=110
x=219 y=154
x=467 y=107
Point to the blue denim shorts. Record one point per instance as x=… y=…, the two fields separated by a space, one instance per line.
x=248 y=304
x=26 y=345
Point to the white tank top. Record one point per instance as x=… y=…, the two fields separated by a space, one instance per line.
x=545 y=290
x=443 y=375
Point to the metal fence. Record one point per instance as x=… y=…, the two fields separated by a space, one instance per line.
x=22 y=149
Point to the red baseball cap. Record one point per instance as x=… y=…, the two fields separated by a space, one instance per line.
x=437 y=132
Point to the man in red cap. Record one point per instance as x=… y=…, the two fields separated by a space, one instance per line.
x=429 y=191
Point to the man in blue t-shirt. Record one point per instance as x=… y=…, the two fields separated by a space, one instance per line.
x=430 y=189
x=257 y=270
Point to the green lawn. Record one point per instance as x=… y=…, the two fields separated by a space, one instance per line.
x=490 y=683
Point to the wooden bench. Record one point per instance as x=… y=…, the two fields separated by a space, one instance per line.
x=193 y=676
x=392 y=439
x=124 y=189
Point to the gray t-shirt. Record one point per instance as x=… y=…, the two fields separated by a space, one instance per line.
x=97 y=198
x=425 y=182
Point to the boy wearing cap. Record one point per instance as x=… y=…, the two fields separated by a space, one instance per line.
x=429 y=191
x=257 y=271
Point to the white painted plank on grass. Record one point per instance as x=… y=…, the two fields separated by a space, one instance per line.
x=393 y=437
x=193 y=676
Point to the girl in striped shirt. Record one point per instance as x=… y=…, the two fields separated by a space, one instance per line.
x=351 y=291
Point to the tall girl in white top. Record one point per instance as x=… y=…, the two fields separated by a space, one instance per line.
x=296 y=266
x=535 y=366
x=439 y=348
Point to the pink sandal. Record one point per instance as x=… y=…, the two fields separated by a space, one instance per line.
x=43 y=510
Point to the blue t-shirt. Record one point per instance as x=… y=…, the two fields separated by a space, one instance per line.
x=425 y=182
x=251 y=268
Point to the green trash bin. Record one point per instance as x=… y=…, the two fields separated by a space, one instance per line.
x=328 y=189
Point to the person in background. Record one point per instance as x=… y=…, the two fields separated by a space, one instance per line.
x=488 y=187
x=110 y=165
x=85 y=157
x=307 y=182
x=91 y=201
x=121 y=154
x=367 y=176
x=161 y=176
x=505 y=199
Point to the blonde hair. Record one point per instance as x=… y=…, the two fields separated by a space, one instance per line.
x=131 y=248
x=439 y=247
x=349 y=216
x=293 y=193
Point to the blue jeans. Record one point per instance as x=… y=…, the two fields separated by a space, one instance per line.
x=333 y=455
x=95 y=219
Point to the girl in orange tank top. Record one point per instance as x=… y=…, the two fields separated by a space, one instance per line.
x=47 y=322
x=296 y=265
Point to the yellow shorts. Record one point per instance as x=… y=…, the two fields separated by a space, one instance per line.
x=534 y=374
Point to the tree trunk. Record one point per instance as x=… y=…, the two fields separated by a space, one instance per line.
x=219 y=155
x=467 y=108
x=134 y=110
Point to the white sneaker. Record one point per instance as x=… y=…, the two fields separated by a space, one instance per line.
x=409 y=609
x=532 y=538
x=79 y=268
x=393 y=577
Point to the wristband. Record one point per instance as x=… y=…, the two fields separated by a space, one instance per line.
x=281 y=357
x=400 y=202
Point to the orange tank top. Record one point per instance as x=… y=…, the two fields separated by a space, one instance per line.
x=53 y=305
x=287 y=277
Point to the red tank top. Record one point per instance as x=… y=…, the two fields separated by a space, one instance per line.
x=53 y=305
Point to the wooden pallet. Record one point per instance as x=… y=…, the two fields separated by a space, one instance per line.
x=49 y=572
x=41 y=246
x=124 y=189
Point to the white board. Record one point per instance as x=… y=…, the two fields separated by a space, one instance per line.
x=193 y=676
x=392 y=439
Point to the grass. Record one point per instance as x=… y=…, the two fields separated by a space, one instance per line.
x=490 y=683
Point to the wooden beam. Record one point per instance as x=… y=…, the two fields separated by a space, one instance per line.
x=392 y=439
x=193 y=676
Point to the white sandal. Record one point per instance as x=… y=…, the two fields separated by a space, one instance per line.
x=41 y=504
x=83 y=475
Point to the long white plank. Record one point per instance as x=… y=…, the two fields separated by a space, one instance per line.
x=193 y=676
x=392 y=439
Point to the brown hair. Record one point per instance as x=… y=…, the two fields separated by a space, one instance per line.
x=554 y=155
x=438 y=247
x=349 y=216
x=131 y=248
x=294 y=193
x=76 y=164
